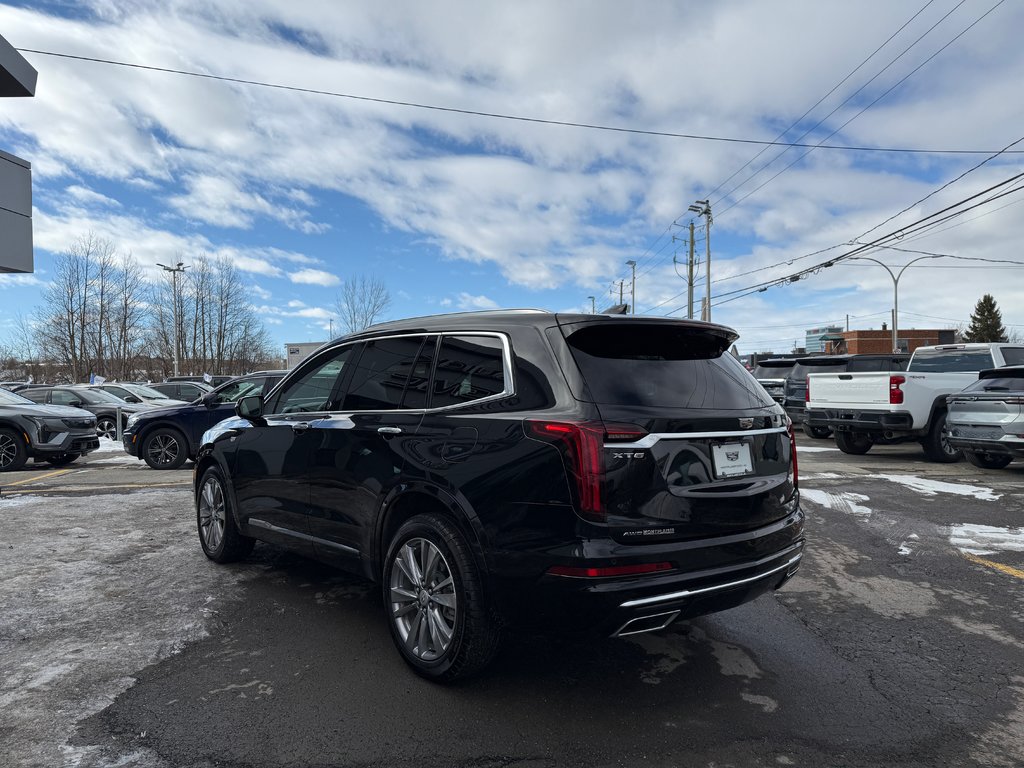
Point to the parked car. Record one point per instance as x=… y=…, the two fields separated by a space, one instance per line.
x=138 y=393
x=51 y=433
x=986 y=419
x=868 y=408
x=213 y=381
x=102 y=405
x=166 y=438
x=772 y=374
x=186 y=391
x=596 y=473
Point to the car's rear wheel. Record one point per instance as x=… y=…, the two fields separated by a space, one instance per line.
x=60 y=459
x=164 y=449
x=854 y=443
x=937 y=446
x=218 y=533
x=437 y=614
x=989 y=460
x=106 y=426
x=13 y=451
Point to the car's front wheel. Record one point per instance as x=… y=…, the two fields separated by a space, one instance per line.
x=218 y=534
x=13 y=451
x=164 y=449
x=989 y=460
x=437 y=613
x=106 y=426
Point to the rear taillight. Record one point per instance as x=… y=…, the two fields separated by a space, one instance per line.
x=895 y=393
x=582 y=444
x=792 y=452
x=613 y=570
x=807 y=392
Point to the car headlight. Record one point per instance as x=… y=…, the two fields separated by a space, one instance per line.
x=133 y=419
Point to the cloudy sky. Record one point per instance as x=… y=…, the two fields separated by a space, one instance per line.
x=456 y=211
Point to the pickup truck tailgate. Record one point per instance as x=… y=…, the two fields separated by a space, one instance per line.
x=848 y=390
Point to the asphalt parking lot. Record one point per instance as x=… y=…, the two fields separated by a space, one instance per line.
x=899 y=643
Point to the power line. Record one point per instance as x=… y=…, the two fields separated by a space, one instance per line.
x=504 y=116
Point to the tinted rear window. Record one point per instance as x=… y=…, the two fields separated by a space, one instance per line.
x=799 y=371
x=1013 y=355
x=951 y=360
x=1001 y=384
x=663 y=366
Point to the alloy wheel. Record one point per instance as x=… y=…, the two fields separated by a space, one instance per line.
x=106 y=428
x=424 y=604
x=8 y=450
x=212 y=516
x=163 y=449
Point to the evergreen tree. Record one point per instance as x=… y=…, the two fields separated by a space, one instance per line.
x=986 y=321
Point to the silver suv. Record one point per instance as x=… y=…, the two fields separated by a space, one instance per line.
x=986 y=419
x=55 y=434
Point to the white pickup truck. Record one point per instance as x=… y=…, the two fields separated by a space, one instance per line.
x=868 y=408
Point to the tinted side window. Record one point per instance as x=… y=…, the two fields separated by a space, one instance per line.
x=238 y=389
x=468 y=368
x=1013 y=355
x=315 y=388
x=35 y=395
x=380 y=374
x=64 y=397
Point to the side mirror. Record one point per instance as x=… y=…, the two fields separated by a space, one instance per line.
x=76 y=404
x=131 y=399
x=209 y=399
x=250 y=408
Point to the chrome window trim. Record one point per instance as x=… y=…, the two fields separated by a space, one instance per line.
x=648 y=441
x=255 y=522
x=507 y=369
x=684 y=593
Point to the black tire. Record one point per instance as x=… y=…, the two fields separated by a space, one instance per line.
x=164 y=448
x=853 y=443
x=215 y=521
x=61 y=459
x=463 y=615
x=937 y=446
x=818 y=433
x=989 y=460
x=106 y=426
x=13 y=451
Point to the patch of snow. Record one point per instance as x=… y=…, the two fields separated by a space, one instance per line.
x=822 y=476
x=813 y=449
x=928 y=487
x=108 y=446
x=986 y=539
x=844 y=501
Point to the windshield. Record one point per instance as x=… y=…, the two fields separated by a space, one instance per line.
x=9 y=398
x=97 y=396
x=143 y=391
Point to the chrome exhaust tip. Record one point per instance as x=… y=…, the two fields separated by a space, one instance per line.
x=642 y=624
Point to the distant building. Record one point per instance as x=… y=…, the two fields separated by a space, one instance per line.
x=296 y=353
x=17 y=78
x=880 y=342
x=821 y=341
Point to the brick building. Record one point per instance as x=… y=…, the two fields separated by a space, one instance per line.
x=880 y=342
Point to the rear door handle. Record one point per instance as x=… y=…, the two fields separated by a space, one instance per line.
x=389 y=430
x=300 y=426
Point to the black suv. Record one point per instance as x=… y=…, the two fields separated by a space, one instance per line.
x=516 y=468
x=165 y=438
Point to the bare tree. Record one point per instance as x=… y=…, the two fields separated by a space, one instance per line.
x=362 y=301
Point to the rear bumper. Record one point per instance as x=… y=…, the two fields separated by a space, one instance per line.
x=861 y=421
x=1007 y=447
x=710 y=575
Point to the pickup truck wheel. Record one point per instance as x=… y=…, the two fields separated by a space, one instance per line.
x=433 y=592
x=13 y=451
x=989 y=460
x=937 y=446
x=818 y=433
x=853 y=443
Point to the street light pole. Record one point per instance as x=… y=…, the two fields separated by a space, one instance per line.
x=632 y=294
x=593 y=305
x=179 y=267
x=895 y=290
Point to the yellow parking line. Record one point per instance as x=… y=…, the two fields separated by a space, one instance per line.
x=38 y=477
x=97 y=488
x=1007 y=569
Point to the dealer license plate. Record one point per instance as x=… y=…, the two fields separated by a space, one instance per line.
x=732 y=459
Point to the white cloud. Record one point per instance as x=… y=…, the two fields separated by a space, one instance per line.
x=468 y=301
x=296 y=304
x=259 y=292
x=8 y=280
x=314 y=277
x=88 y=196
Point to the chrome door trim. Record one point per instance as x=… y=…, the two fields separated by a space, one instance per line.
x=257 y=523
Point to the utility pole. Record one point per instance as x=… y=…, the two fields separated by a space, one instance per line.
x=179 y=267
x=330 y=324
x=621 y=284
x=689 y=277
x=703 y=208
x=632 y=294
x=593 y=305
